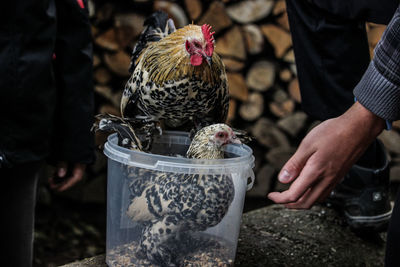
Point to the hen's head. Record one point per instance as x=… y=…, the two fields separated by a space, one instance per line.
x=200 y=46
x=208 y=141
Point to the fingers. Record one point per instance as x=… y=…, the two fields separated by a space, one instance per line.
x=77 y=175
x=307 y=178
x=64 y=180
x=295 y=164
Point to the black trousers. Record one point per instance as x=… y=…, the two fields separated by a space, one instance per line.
x=17 y=204
x=332 y=54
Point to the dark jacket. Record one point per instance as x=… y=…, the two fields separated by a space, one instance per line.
x=46 y=90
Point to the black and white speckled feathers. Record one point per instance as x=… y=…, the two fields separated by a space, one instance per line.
x=166 y=87
x=171 y=203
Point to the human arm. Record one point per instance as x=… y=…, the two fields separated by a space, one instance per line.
x=330 y=149
x=325 y=155
x=73 y=142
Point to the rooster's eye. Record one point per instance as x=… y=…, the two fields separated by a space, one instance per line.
x=197 y=45
x=221 y=134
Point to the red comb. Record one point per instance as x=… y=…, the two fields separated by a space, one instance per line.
x=208 y=35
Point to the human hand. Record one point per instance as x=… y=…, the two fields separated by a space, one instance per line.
x=66 y=176
x=325 y=155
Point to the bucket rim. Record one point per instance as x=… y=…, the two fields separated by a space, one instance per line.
x=141 y=159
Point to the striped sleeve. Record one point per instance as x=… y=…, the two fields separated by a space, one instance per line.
x=379 y=88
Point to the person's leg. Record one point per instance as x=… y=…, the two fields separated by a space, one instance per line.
x=331 y=49
x=332 y=53
x=392 y=257
x=18 y=197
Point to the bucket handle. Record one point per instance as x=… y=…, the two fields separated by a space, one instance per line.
x=252 y=178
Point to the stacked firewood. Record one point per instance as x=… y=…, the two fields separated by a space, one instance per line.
x=254 y=41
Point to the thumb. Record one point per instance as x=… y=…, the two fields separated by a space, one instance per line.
x=293 y=166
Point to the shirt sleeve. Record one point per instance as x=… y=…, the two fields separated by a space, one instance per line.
x=379 y=88
x=73 y=141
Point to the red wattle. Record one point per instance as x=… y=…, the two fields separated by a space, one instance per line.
x=196 y=60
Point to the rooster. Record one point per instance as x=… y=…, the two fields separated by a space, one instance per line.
x=177 y=79
x=169 y=204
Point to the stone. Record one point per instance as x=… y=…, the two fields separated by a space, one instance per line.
x=275 y=236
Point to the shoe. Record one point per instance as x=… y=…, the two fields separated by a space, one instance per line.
x=363 y=196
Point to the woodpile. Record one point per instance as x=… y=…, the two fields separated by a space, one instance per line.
x=254 y=41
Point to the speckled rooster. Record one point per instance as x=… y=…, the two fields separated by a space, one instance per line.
x=169 y=204
x=177 y=78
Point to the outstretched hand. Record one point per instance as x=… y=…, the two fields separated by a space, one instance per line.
x=325 y=155
x=66 y=176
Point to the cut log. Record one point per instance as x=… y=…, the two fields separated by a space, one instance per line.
x=289 y=56
x=118 y=63
x=232 y=64
x=285 y=75
x=231 y=111
x=237 y=86
x=105 y=12
x=128 y=27
x=374 y=34
x=109 y=109
x=282 y=110
x=96 y=60
x=231 y=44
x=283 y=21
x=280 y=95
x=278 y=156
x=252 y=108
x=391 y=140
x=106 y=92
x=278 y=38
x=174 y=11
x=107 y=40
x=267 y=134
x=250 y=11
x=261 y=76
x=279 y=8
x=216 y=16
x=294 y=90
x=102 y=76
x=262 y=185
x=254 y=38
x=194 y=8
x=293 y=123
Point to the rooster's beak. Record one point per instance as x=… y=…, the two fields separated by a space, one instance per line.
x=209 y=60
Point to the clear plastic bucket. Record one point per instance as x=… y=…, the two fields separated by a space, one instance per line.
x=214 y=246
